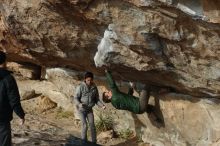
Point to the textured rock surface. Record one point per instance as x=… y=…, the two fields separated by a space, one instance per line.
x=47 y=89
x=185 y=120
x=168 y=43
x=25 y=70
x=173 y=41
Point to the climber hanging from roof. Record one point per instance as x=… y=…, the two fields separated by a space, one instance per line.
x=125 y=101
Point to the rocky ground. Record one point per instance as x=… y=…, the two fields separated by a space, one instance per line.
x=54 y=127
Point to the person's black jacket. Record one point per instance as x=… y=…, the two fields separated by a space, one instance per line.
x=9 y=97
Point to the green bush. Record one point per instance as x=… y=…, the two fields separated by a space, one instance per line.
x=63 y=114
x=104 y=123
x=126 y=134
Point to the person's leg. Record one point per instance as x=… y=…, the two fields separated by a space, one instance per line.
x=5 y=134
x=84 y=127
x=92 y=126
x=144 y=98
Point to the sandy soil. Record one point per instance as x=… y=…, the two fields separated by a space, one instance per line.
x=53 y=128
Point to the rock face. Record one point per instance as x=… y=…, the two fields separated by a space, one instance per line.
x=166 y=43
x=184 y=120
x=165 y=49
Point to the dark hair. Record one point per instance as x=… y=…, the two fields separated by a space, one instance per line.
x=105 y=98
x=2 y=57
x=88 y=75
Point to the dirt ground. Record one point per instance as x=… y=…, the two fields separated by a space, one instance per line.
x=54 y=128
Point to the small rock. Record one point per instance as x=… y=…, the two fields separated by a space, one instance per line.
x=106 y=135
x=25 y=95
x=45 y=104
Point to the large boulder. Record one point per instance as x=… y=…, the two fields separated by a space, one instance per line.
x=168 y=42
x=46 y=89
x=181 y=120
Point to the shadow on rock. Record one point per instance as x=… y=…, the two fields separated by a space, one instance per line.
x=131 y=142
x=75 y=141
x=155 y=115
